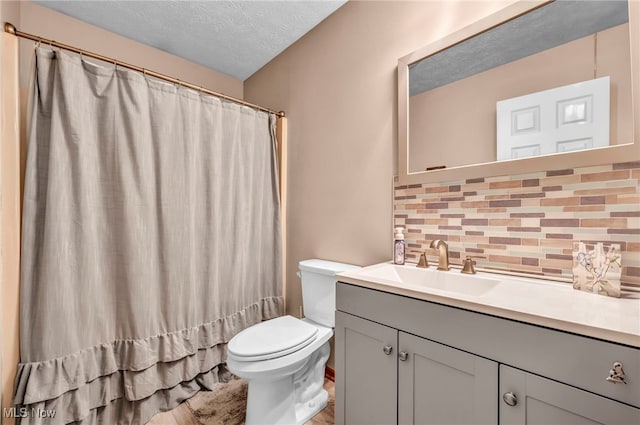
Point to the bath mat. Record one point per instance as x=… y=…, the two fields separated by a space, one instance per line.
x=225 y=405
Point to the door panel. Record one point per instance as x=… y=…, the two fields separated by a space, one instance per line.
x=366 y=388
x=562 y=119
x=442 y=385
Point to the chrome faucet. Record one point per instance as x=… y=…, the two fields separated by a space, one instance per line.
x=443 y=253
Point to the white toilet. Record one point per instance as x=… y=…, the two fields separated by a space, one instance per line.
x=283 y=359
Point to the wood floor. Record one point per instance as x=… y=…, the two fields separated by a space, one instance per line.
x=183 y=415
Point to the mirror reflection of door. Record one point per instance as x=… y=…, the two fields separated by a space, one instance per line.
x=453 y=93
x=563 y=119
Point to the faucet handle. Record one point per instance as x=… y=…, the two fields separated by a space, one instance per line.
x=422 y=262
x=468 y=266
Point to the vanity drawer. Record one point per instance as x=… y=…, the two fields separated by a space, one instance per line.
x=579 y=361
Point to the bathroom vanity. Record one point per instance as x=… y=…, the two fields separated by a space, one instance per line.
x=422 y=346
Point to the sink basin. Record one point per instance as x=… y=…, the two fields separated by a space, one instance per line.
x=417 y=278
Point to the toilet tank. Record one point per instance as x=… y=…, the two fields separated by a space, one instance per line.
x=319 y=289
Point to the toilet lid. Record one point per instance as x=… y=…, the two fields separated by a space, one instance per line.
x=272 y=338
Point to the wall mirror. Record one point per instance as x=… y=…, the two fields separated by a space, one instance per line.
x=536 y=86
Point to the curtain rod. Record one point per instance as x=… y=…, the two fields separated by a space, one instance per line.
x=11 y=29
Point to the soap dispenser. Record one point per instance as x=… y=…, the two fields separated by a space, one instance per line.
x=398 y=246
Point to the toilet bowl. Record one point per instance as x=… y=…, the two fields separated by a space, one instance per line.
x=283 y=359
x=275 y=377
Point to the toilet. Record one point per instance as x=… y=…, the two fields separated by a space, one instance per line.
x=283 y=359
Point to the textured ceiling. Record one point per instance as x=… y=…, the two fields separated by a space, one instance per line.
x=549 y=26
x=235 y=37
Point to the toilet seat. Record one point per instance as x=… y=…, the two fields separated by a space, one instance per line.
x=282 y=365
x=271 y=339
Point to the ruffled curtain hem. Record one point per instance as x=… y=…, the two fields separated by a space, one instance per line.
x=136 y=378
x=122 y=411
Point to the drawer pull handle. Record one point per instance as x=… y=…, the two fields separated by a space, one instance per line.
x=387 y=349
x=616 y=374
x=403 y=355
x=510 y=398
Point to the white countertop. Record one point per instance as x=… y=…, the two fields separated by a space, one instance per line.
x=537 y=301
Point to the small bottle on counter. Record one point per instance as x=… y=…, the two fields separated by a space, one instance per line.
x=398 y=246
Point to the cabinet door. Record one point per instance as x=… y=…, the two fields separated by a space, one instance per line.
x=438 y=384
x=366 y=372
x=531 y=399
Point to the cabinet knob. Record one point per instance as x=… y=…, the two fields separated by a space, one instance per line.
x=510 y=398
x=616 y=374
x=387 y=349
x=403 y=355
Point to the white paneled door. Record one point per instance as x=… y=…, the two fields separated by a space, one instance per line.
x=562 y=119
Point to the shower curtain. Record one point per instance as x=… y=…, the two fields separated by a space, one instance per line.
x=151 y=235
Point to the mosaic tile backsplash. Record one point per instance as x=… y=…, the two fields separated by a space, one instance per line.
x=527 y=223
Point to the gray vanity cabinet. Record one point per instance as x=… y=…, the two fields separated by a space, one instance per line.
x=532 y=399
x=400 y=360
x=388 y=377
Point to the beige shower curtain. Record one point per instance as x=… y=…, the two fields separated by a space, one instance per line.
x=151 y=235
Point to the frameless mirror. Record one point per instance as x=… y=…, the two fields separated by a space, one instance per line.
x=535 y=86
